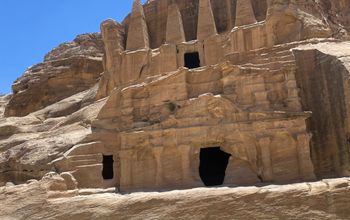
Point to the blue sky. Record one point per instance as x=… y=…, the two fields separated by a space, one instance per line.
x=31 y=28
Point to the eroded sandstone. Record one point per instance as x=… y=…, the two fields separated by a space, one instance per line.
x=68 y=69
x=48 y=199
x=185 y=94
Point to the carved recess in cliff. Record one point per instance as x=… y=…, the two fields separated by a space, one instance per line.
x=324 y=90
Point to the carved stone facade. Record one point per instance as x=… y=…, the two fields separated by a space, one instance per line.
x=174 y=92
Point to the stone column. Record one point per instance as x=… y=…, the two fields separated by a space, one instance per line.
x=138 y=32
x=293 y=99
x=230 y=24
x=206 y=24
x=174 y=30
x=266 y=159
x=126 y=159
x=185 y=165
x=244 y=13
x=305 y=164
x=258 y=37
x=237 y=40
x=260 y=93
x=112 y=35
x=157 y=151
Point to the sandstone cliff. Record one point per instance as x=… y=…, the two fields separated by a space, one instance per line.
x=57 y=101
x=48 y=199
x=68 y=69
x=264 y=81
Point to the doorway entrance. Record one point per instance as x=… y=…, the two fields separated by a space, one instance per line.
x=107 y=171
x=212 y=166
x=192 y=60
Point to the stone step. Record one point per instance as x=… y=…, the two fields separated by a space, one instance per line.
x=88 y=166
x=79 y=160
x=276 y=56
x=271 y=66
x=78 y=163
x=85 y=157
x=263 y=58
x=288 y=58
x=291 y=67
x=278 y=53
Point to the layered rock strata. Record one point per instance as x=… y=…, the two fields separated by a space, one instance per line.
x=136 y=107
x=49 y=199
x=69 y=69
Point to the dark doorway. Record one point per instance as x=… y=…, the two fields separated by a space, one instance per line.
x=192 y=60
x=107 y=171
x=213 y=164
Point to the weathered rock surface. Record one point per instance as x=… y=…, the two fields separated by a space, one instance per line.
x=264 y=82
x=29 y=144
x=48 y=199
x=330 y=13
x=3 y=102
x=326 y=66
x=68 y=69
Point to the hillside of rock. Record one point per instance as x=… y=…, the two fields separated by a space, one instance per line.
x=250 y=98
x=70 y=68
x=49 y=199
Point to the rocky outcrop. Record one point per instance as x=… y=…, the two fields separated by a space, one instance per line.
x=186 y=94
x=3 y=102
x=286 y=21
x=49 y=199
x=68 y=69
x=337 y=14
x=29 y=144
x=113 y=37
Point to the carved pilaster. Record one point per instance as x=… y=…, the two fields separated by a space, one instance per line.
x=238 y=40
x=126 y=159
x=157 y=151
x=266 y=159
x=185 y=164
x=305 y=164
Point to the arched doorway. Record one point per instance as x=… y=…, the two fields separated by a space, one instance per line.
x=212 y=166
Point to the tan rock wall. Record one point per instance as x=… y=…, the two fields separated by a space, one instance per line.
x=114 y=43
x=244 y=97
x=69 y=69
x=326 y=199
x=324 y=91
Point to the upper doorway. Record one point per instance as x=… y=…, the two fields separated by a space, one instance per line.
x=192 y=60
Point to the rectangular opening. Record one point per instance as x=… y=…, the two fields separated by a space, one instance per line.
x=107 y=171
x=192 y=60
x=213 y=164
